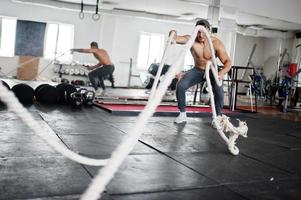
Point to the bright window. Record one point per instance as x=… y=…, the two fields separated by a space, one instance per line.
x=7 y=36
x=58 y=42
x=150 y=49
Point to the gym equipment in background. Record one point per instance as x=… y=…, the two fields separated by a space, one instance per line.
x=78 y=82
x=88 y=96
x=46 y=94
x=152 y=72
x=24 y=93
x=131 y=75
x=76 y=99
x=64 y=93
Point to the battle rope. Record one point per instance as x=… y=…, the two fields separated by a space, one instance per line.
x=222 y=122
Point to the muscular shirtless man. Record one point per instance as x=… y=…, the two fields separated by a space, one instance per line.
x=104 y=68
x=200 y=51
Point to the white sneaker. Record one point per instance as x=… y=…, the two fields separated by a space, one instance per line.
x=100 y=92
x=168 y=93
x=103 y=93
x=182 y=118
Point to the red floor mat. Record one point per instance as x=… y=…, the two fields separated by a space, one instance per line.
x=162 y=109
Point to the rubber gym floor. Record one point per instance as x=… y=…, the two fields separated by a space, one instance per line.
x=169 y=162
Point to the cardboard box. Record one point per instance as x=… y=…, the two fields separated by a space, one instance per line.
x=29 y=68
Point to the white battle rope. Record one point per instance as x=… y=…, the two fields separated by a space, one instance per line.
x=158 y=75
x=14 y=105
x=222 y=123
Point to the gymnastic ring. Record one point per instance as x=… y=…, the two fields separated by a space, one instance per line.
x=96 y=16
x=81 y=15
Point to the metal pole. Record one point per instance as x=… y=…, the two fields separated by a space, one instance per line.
x=278 y=65
x=130 y=72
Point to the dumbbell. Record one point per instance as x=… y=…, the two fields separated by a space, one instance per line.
x=88 y=96
x=71 y=72
x=64 y=91
x=67 y=71
x=82 y=72
x=76 y=71
x=77 y=99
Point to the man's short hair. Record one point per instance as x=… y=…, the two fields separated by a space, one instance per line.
x=94 y=44
x=203 y=22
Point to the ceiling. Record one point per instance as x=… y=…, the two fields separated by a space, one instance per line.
x=188 y=10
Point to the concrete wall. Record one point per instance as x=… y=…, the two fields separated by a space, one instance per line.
x=122 y=39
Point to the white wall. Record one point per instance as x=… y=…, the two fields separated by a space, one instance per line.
x=121 y=38
x=244 y=45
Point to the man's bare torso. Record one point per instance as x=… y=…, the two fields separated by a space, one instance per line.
x=201 y=53
x=103 y=57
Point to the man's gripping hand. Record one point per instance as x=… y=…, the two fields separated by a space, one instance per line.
x=87 y=66
x=174 y=37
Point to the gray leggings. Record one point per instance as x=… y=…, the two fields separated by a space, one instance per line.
x=98 y=75
x=193 y=77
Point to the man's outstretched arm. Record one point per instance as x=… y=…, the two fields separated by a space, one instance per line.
x=180 y=39
x=83 y=50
